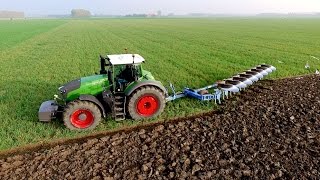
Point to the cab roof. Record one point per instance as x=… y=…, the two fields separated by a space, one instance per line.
x=119 y=59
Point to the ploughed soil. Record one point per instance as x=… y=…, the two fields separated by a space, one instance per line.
x=271 y=130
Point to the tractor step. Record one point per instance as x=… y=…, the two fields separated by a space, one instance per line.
x=120 y=116
x=119 y=109
x=118 y=103
x=119 y=112
x=119 y=97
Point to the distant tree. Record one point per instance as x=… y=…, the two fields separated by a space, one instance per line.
x=159 y=13
x=80 y=13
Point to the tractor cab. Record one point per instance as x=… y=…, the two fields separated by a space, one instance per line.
x=123 y=70
x=132 y=89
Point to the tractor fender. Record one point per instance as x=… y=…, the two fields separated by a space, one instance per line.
x=134 y=86
x=94 y=100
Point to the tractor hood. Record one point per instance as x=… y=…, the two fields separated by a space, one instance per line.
x=91 y=85
x=147 y=75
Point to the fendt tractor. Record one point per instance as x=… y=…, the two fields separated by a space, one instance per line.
x=125 y=90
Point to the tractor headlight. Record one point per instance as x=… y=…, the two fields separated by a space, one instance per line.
x=55 y=96
x=59 y=97
x=62 y=93
x=62 y=90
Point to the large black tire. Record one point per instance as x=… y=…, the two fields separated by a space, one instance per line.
x=146 y=102
x=81 y=115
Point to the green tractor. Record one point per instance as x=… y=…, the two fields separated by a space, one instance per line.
x=123 y=89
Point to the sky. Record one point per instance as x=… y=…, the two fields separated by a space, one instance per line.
x=122 y=7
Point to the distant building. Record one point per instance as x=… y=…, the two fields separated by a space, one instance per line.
x=11 y=14
x=159 y=13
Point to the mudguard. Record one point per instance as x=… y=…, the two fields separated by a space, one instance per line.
x=93 y=100
x=132 y=87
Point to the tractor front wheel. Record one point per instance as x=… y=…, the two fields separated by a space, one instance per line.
x=81 y=115
x=146 y=102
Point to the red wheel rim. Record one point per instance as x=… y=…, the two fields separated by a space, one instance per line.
x=147 y=106
x=82 y=118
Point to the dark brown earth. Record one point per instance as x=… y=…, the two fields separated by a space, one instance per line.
x=271 y=130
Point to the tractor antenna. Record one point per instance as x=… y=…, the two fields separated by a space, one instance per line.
x=133 y=58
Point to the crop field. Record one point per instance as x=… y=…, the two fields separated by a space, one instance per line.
x=37 y=56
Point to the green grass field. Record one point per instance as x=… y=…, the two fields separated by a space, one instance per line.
x=37 y=56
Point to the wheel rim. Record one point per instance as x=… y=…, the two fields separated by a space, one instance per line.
x=147 y=106
x=82 y=118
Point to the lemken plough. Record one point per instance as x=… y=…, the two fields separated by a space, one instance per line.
x=226 y=87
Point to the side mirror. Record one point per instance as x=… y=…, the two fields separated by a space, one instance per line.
x=110 y=76
x=102 y=65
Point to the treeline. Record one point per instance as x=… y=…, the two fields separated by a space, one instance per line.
x=11 y=14
x=136 y=15
x=289 y=15
x=80 y=13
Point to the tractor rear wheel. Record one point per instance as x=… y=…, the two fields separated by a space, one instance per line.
x=146 y=102
x=81 y=115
